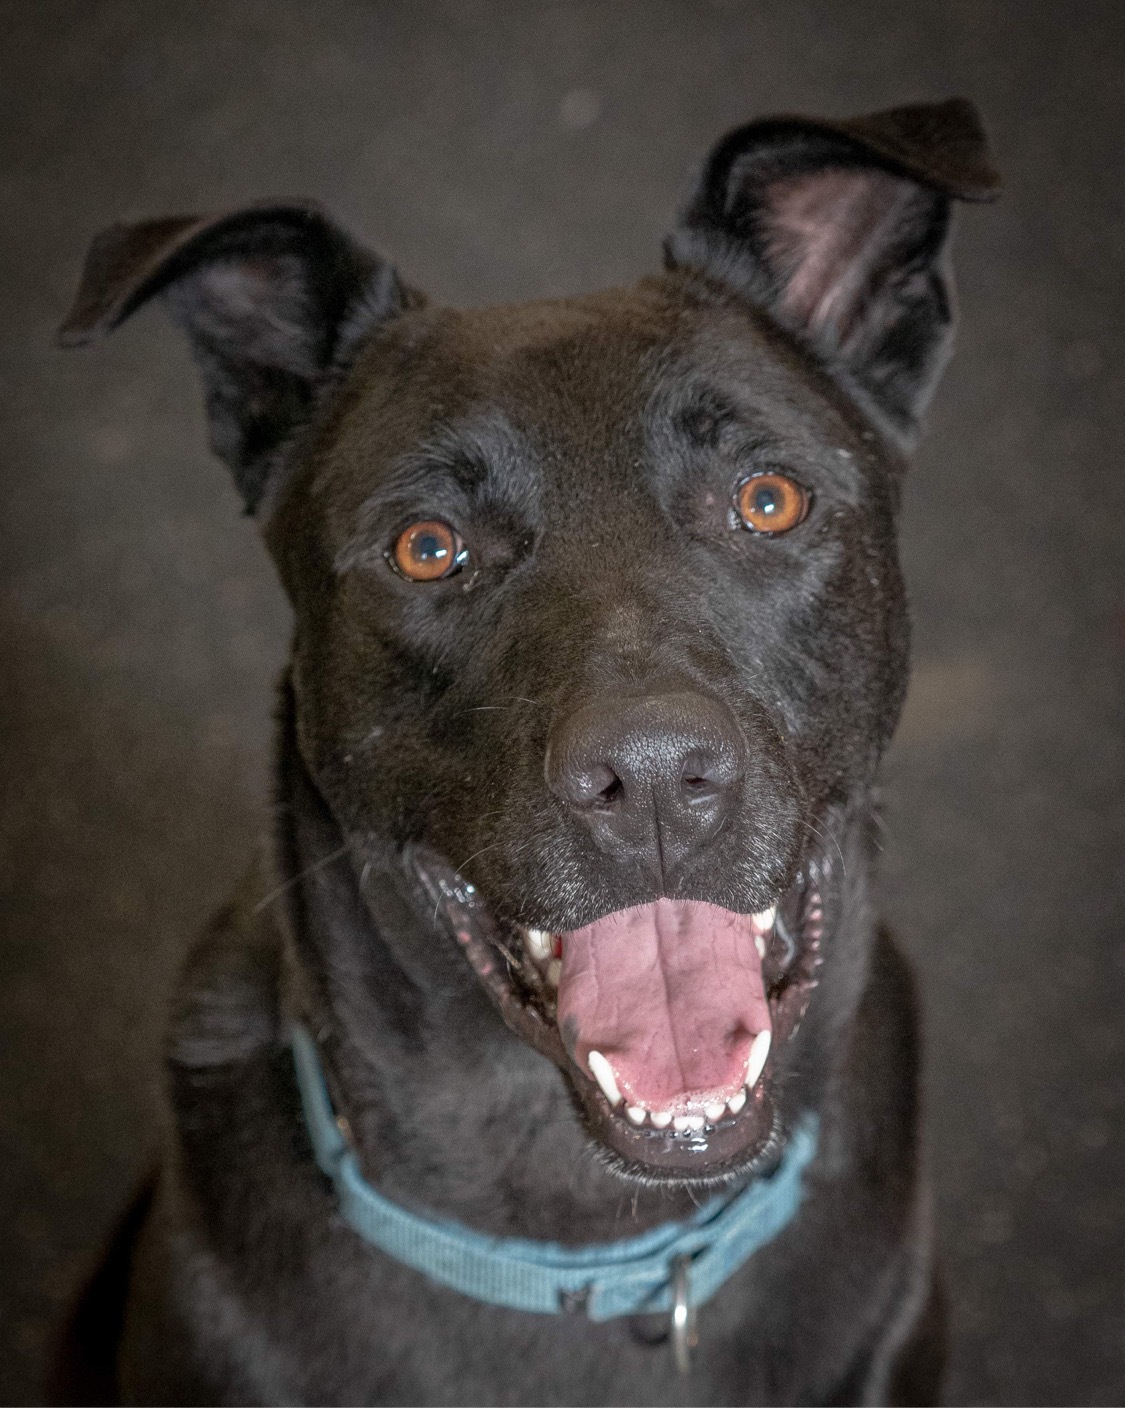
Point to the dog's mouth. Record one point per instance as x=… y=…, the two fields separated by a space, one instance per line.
x=668 y=1018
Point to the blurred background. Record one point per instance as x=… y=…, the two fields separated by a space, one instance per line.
x=502 y=149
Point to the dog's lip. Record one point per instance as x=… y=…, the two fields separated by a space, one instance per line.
x=501 y=953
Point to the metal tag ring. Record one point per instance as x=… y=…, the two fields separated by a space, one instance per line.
x=684 y=1337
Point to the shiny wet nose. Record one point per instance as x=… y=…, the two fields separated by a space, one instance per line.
x=653 y=776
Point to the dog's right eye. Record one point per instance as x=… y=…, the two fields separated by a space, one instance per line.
x=428 y=551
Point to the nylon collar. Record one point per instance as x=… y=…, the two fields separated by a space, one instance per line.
x=638 y=1275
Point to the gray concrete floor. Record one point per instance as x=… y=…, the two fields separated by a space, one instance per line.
x=501 y=150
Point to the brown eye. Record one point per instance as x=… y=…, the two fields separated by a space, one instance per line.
x=427 y=551
x=771 y=503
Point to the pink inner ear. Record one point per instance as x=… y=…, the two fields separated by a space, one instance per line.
x=260 y=300
x=825 y=231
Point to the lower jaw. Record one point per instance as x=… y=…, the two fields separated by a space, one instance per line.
x=730 y=1147
x=727 y=1148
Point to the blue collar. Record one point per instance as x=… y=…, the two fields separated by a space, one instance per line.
x=638 y=1275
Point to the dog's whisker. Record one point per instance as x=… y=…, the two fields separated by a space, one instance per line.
x=493 y=708
x=301 y=875
x=462 y=864
x=829 y=839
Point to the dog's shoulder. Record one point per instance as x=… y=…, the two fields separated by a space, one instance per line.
x=227 y=1000
x=237 y=1194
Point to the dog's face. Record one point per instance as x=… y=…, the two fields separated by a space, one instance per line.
x=598 y=608
x=599 y=620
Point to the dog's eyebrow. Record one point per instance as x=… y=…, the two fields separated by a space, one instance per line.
x=707 y=418
x=701 y=415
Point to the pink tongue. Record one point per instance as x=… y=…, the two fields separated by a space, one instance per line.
x=671 y=994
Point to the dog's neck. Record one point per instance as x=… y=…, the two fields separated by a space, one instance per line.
x=450 y=1112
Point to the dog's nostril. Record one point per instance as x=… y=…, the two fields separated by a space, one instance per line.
x=597 y=787
x=704 y=774
x=612 y=793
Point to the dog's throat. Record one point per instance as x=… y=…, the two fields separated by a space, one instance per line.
x=671 y=1265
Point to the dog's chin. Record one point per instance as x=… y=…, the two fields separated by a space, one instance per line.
x=712 y=1139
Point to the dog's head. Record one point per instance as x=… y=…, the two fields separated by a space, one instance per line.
x=599 y=619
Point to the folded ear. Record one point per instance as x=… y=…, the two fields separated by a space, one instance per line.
x=838 y=230
x=274 y=300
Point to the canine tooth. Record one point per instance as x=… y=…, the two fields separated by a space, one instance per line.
x=603 y=1074
x=539 y=942
x=760 y=945
x=736 y=1102
x=765 y=917
x=661 y=1118
x=759 y=1050
x=716 y=1111
x=636 y=1113
x=682 y=1122
x=554 y=972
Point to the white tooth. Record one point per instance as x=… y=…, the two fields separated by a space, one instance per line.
x=736 y=1102
x=765 y=917
x=715 y=1112
x=539 y=942
x=661 y=1118
x=759 y=1050
x=554 y=972
x=682 y=1122
x=636 y=1113
x=760 y=945
x=603 y=1074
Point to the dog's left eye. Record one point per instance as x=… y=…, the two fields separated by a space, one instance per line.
x=428 y=551
x=771 y=503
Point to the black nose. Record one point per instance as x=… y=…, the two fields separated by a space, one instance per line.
x=653 y=777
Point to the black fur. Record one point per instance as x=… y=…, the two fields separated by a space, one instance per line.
x=588 y=452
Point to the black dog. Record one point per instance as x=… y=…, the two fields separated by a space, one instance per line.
x=600 y=635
